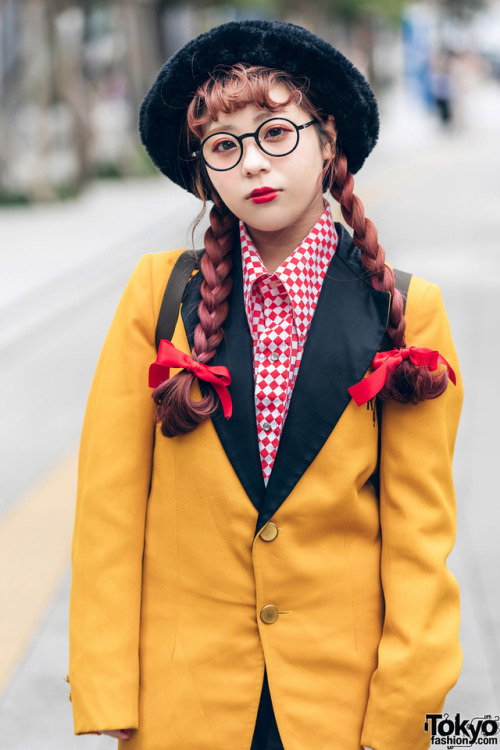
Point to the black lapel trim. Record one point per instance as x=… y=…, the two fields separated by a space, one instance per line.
x=346 y=331
x=238 y=435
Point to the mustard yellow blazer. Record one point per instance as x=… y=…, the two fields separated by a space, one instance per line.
x=189 y=576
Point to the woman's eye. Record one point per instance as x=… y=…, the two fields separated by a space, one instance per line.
x=277 y=131
x=223 y=146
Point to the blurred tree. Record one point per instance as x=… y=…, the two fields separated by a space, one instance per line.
x=354 y=11
x=349 y=11
x=72 y=76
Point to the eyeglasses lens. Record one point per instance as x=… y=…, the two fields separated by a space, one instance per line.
x=275 y=137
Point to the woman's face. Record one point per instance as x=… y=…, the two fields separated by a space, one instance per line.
x=295 y=180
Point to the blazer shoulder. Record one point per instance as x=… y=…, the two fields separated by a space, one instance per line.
x=152 y=272
x=423 y=305
x=160 y=265
x=420 y=287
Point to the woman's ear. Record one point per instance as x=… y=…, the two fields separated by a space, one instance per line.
x=328 y=151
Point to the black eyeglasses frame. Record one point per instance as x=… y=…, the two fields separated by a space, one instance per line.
x=199 y=152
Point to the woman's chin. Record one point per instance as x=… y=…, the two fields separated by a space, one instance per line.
x=269 y=228
x=267 y=221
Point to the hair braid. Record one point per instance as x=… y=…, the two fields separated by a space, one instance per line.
x=408 y=382
x=176 y=410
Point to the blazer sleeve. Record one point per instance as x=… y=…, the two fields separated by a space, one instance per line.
x=113 y=486
x=419 y=655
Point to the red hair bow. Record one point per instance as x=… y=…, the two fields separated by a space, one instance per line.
x=169 y=356
x=386 y=362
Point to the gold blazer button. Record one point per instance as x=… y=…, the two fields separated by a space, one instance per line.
x=269 y=532
x=269 y=614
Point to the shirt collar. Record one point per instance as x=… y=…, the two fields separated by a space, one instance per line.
x=301 y=273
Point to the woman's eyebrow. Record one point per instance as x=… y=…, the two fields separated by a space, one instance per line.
x=218 y=127
x=222 y=127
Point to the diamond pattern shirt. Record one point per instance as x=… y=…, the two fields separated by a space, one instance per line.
x=280 y=307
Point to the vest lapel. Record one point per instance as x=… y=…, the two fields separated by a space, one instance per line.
x=238 y=435
x=345 y=333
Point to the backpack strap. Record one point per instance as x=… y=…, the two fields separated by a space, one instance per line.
x=402 y=283
x=172 y=297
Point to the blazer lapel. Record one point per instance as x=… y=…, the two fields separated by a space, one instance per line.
x=345 y=333
x=238 y=434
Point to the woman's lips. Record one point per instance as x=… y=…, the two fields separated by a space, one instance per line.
x=263 y=195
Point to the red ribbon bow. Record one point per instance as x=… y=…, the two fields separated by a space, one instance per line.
x=386 y=362
x=169 y=356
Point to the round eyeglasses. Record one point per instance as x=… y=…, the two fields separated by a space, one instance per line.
x=277 y=136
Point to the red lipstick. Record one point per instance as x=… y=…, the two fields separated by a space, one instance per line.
x=263 y=195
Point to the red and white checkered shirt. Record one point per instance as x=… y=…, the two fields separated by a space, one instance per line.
x=279 y=308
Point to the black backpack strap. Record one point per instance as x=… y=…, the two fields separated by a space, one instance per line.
x=172 y=297
x=402 y=279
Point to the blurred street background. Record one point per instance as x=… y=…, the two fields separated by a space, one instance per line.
x=80 y=203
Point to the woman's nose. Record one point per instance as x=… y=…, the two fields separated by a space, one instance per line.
x=254 y=159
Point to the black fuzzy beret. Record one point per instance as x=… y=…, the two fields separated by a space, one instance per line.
x=338 y=87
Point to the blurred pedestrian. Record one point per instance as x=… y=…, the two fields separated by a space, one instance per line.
x=443 y=89
x=266 y=568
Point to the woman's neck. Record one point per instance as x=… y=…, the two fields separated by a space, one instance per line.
x=275 y=247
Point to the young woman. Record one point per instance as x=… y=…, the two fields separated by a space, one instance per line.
x=240 y=579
